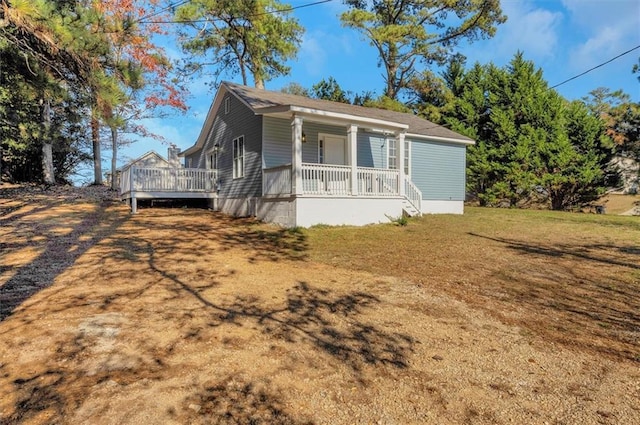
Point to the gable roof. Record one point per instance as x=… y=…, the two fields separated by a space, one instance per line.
x=265 y=102
x=145 y=157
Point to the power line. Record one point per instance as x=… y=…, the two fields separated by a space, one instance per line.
x=196 y=21
x=169 y=7
x=596 y=67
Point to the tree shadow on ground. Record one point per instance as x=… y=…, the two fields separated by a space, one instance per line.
x=309 y=315
x=592 y=303
x=262 y=242
x=600 y=253
x=235 y=401
x=156 y=290
x=59 y=253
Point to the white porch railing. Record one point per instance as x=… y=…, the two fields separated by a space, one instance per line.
x=277 y=180
x=335 y=180
x=152 y=179
x=378 y=182
x=412 y=194
x=326 y=179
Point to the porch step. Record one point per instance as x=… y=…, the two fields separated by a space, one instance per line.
x=409 y=209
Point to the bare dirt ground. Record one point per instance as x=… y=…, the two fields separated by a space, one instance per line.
x=184 y=316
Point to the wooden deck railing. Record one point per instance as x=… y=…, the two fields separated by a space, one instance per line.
x=153 y=179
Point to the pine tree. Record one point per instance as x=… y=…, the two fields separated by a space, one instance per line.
x=247 y=37
x=407 y=33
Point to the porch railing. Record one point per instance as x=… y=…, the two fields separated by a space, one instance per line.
x=155 y=179
x=326 y=179
x=378 y=182
x=412 y=194
x=277 y=180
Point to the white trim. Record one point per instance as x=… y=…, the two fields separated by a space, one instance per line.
x=296 y=154
x=347 y=118
x=208 y=122
x=407 y=157
x=387 y=141
x=440 y=139
x=238 y=174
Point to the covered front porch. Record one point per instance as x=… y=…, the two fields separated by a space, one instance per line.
x=331 y=155
x=328 y=180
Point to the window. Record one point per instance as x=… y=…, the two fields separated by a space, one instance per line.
x=321 y=151
x=392 y=156
x=238 y=157
x=226 y=105
x=188 y=163
x=407 y=157
x=212 y=160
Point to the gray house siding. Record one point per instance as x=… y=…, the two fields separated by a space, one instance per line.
x=239 y=121
x=438 y=170
x=371 y=150
x=277 y=140
x=276 y=149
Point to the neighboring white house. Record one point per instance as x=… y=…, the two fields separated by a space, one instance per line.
x=151 y=159
x=297 y=161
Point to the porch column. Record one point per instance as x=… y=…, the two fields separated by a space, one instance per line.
x=401 y=153
x=296 y=155
x=352 y=140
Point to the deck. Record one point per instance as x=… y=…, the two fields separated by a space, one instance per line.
x=167 y=183
x=316 y=180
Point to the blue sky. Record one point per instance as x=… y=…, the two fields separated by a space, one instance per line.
x=563 y=37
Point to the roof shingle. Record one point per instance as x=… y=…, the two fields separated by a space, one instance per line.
x=258 y=99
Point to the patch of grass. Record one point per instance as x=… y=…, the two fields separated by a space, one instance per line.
x=530 y=268
x=402 y=220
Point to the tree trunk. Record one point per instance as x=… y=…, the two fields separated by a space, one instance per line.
x=48 y=175
x=259 y=82
x=114 y=157
x=97 y=160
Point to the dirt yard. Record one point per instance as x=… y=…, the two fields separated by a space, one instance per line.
x=184 y=316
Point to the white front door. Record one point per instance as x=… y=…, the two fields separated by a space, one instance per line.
x=334 y=149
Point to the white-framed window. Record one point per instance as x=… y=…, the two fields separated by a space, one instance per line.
x=227 y=105
x=188 y=163
x=238 y=157
x=407 y=157
x=392 y=153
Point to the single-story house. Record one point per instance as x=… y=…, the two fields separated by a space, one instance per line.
x=298 y=161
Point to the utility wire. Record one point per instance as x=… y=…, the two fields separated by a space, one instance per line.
x=596 y=67
x=196 y=21
x=169 y=7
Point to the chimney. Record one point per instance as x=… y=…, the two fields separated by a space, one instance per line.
x=172 y=156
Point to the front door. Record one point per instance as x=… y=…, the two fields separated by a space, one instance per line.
x=334 y=150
